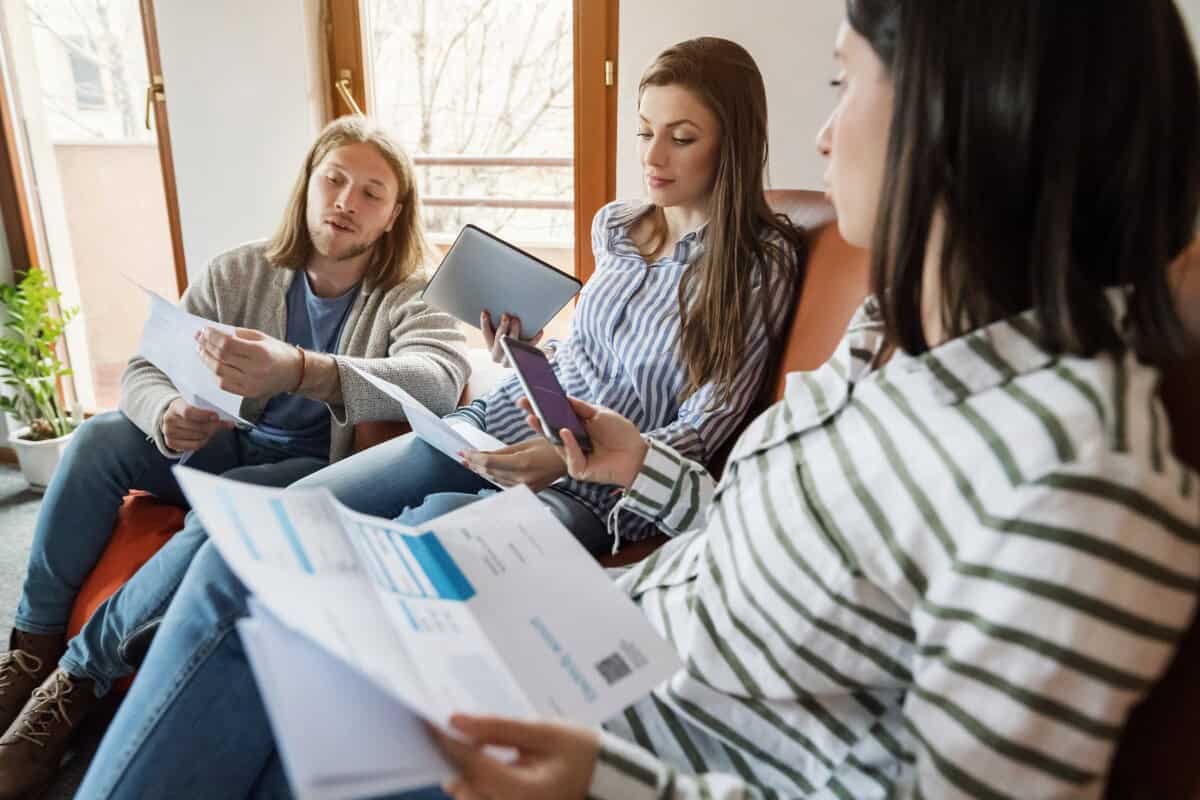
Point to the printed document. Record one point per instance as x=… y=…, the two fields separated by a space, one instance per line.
x=168 y=343
x=492 y=609
x=449 y=436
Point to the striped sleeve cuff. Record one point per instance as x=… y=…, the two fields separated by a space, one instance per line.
x=655 y=489
x=475 y=413
x=624 y=771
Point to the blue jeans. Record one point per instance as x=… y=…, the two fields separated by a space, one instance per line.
x=193 y=724
x=389 y=478
x=107 y=457
x=405 y=475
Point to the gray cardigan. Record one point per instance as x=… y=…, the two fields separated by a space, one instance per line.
x=393 y=335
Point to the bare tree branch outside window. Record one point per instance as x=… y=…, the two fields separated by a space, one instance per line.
x=80 y=39
x=480 y=77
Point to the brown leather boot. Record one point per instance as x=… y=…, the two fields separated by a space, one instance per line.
x=32 y=748
x=30 y=658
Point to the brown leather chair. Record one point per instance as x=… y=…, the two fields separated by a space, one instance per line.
x=835 y=283
x=1159 y=753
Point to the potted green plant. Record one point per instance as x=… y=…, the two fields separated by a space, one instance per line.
x=30 y=370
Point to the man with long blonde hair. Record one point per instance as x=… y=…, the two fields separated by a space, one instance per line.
x=337 y=286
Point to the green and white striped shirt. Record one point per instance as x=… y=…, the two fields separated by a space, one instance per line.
x=950 y=576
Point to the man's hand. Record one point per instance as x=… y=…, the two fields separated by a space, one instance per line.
x=554 y=760
x=249 y=362
x=186 y=427
x=618 y=449
x=534 y=462
x=509 y=326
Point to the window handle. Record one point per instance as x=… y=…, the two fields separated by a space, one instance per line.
x=342 y=85
x=153 y=92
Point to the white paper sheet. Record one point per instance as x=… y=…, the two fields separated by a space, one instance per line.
x=354 y=740
x=492 y=609
x=448 y=437
x=168 y=343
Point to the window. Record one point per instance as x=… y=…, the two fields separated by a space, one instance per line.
x=486 y=95
x=85 y=72
x=77 y=74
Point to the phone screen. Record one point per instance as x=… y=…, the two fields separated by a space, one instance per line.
x=547 y=393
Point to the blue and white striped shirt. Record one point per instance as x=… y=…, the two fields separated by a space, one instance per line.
x=621 y=354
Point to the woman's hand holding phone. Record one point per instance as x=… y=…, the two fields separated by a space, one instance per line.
x=509 y=326
x=618 y=449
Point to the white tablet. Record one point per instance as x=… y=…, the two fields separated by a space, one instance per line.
x=483 y=271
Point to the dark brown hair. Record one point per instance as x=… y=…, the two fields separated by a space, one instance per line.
x=400 y=252
x=1059 y=141
x=715 y=320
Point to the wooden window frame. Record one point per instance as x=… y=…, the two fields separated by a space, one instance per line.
x=344 y=55
x=595 y=33
x=163 y=134
x=595 y=65
x=19 y=231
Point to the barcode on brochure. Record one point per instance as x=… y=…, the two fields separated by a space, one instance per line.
x=613 y=668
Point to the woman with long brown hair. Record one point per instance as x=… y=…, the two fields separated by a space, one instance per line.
x=675 y=327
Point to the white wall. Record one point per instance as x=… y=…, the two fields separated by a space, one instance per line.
x=244 y=102
x=792 y=42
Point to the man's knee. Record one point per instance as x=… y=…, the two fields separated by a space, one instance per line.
x=353 y=470
x=282 y=474
x=110 y=431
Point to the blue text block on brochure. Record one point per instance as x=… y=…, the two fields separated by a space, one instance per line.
x=412 y=566
x=447 y=579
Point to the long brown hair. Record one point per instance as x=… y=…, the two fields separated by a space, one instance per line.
x=400 y=252
x=737 y=244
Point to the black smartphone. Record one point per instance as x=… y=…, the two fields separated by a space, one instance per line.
x=545 y=393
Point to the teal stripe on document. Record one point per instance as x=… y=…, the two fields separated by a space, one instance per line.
x=293 y=539
x=237 y=521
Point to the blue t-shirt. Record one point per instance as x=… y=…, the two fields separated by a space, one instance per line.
x=292 y=423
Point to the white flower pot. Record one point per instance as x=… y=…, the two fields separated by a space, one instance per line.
x=38 y=459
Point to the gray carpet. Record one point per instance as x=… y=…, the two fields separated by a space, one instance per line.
x=18 y=511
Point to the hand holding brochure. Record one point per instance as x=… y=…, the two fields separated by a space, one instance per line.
x=168 y=343
x=493 y=609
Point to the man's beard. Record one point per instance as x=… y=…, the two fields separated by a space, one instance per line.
x=354 y=252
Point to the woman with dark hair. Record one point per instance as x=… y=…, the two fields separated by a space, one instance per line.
x=951 y=560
